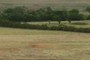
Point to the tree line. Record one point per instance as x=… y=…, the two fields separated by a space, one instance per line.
x=23 y=14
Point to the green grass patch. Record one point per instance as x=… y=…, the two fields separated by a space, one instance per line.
x=80 y=23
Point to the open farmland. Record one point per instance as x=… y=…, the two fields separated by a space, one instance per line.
x=22 y=44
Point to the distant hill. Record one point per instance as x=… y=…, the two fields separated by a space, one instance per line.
x=55 y=4
x=43 y=1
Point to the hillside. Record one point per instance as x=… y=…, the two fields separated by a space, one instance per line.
x=43 y=1
x=56 y=4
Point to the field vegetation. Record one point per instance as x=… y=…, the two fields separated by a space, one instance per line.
x=44 y=33
x=24 y=44
x=18 y=17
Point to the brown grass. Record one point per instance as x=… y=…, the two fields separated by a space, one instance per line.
x=75 y=46
x=23 y=44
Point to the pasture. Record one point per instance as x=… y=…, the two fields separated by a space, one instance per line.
x=84 y=23
x=30 y=44
x=24 y=44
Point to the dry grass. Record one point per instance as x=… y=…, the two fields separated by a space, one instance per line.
x=43 y=45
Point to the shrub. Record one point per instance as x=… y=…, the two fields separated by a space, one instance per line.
x=62 y=27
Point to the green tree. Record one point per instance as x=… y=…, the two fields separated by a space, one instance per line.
x=74 y=15
x=60 y=15
x=16 y=14
x=88 y=9
x=88 y=17
x=49 y=13
x=44 y=14
x=57 y=18
x=40 y=14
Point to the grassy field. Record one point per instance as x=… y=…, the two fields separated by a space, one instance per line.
x=84 y=24
x=28 y=44
x=23 y=44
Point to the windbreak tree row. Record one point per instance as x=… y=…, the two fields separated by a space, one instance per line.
x=23 y=14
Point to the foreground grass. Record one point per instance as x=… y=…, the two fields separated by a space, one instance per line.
x=14 y=31
x=23 y=44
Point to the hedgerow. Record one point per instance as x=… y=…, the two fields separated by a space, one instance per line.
x=45 y=27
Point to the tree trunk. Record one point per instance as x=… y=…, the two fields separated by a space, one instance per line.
x=59 y=22
x=69 y=21
x=49 y=22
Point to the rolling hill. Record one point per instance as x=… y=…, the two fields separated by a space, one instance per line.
x=43 y=1
x=56 y=4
